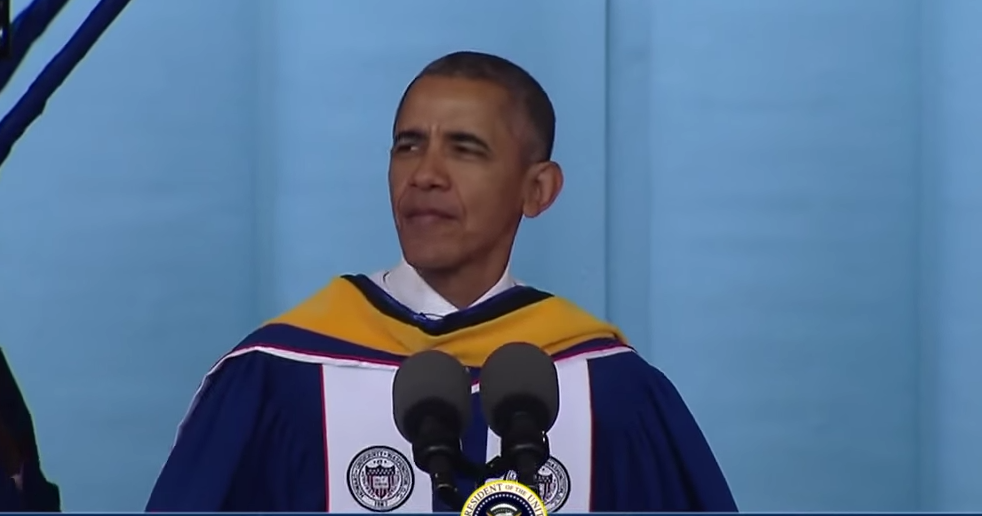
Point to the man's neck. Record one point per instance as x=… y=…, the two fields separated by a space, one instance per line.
x=462 y=287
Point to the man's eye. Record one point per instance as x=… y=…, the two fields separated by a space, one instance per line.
x=464 y=149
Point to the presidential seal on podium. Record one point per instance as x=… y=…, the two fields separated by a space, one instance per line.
x=503 y=498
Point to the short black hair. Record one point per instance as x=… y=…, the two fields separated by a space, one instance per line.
x=525 y=91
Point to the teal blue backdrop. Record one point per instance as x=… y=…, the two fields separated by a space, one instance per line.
x=780 y=201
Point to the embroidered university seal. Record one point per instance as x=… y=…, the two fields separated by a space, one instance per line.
x=504 y=498
x=380 y=479
x=552 y=483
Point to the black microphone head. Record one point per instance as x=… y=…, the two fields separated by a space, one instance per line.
x=431 y=384
x=519 y=377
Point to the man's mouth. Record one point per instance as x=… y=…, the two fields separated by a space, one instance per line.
x=429 y=215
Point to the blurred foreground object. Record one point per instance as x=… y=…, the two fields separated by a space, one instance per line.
x=5 y=34
x=23 y=486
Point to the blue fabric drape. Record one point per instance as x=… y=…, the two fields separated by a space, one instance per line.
x=29 y=25
x=33 y=102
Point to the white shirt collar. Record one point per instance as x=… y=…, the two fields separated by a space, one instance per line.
x=406 y=286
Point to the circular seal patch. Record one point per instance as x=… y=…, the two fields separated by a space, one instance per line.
x=552 y=483
x=504 y=498
x=380 y=479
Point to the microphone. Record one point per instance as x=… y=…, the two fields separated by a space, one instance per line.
x=520 y=401
x=431 y=404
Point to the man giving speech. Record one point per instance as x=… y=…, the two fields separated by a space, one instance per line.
x=298 y=417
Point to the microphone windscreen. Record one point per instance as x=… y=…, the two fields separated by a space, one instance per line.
x=430 y=383
x=519 y=376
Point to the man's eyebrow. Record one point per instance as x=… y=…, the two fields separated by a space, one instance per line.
x=468 y=138
x=411 y=135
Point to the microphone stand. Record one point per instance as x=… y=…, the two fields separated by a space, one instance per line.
x=525 y=449
x=445 y=487
x=437 y=452
x=442 y=479
x=523 y=452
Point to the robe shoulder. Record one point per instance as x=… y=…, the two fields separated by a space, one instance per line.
x=253 y=441
x=649 y=453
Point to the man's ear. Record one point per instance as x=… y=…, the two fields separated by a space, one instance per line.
x=544 y=182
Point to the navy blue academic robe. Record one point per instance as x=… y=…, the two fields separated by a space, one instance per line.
x=298 y=416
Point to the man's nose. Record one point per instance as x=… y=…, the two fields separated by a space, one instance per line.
x=431 y=171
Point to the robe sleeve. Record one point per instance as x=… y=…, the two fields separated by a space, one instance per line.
x=239 y=448
x=649 y=454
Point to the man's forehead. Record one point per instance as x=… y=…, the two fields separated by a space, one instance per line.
x=454 y=97
x=457 y=104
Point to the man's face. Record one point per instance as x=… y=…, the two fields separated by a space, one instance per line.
x=455 y=172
